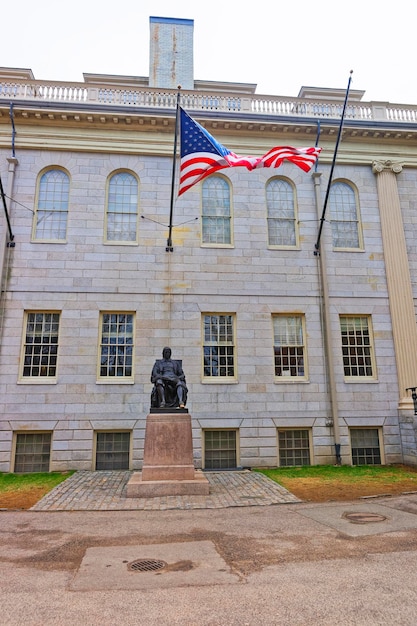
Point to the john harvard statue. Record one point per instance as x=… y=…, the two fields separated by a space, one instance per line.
x=170 y=389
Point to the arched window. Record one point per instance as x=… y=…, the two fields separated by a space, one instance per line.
x=280 y=203
x=216 y=214
x=52 y=206
x=122 y=208
x=344 y=215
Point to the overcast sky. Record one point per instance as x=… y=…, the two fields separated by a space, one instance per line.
x=278 y=45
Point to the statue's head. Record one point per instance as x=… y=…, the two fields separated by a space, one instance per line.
x=166 y=353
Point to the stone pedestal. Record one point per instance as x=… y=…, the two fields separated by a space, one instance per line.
x=168 y=466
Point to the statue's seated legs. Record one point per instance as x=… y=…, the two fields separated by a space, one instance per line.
x=169 y=394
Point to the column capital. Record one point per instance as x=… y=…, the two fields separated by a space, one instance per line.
x=380 y=166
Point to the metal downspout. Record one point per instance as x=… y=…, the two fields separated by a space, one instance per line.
x=325 y=313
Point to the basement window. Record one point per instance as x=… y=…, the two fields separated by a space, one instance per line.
x=366 y=449
x=294 y=447
x=112 y=450
x=32 y=452
x=220 y=449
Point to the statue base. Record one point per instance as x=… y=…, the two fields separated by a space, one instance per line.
x=139 y=488
x=168 y=466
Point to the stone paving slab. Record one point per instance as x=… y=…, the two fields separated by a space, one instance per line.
x=386 y=519
x=188 y=564
x=106 y=491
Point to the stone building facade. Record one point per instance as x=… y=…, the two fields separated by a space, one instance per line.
x=292 y=355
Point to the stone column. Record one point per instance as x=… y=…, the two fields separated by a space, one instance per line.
x=397 y=269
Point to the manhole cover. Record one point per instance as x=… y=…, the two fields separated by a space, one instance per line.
x=364 y=518
x=146 y=565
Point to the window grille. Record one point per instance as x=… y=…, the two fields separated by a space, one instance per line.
x=41 y=345
x=116 y=345
x=122 y=208
x=52 y=207
x=216 y=215
x=218 y=348
x=294 y=447
x=357 y=348
x=365 y=446
x=344 y=216
x=33 y=451
x=220 y=449
x=281 y=213
x=112 y=450
x=289 y=348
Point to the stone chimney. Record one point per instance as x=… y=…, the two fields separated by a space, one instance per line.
x=171 y=53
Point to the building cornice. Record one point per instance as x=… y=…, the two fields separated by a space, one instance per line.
x=91 y=117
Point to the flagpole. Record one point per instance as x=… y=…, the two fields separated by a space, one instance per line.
x=317 y=246
x=169 y=247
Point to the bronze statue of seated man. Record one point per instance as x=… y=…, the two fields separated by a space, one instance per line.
x=170 y=389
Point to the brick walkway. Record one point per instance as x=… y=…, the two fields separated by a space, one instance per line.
x=106 y=491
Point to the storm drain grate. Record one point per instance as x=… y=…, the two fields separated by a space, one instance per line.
x=364 y=518
x=146 y=565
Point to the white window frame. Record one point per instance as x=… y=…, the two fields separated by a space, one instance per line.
x=103 y=345
x=345 y=345
x=286 y=376
x=44 y=354
x=222 y=345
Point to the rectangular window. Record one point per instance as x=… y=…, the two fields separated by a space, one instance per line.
x=357 y=346
x=40 y=347
x=220 y=449
x=289 y=348
x=32 y=454
x=365 y=446
x=112 y=451
x=294 y=447
x=116 y=346
x=218 y=346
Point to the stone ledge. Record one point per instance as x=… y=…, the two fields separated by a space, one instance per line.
x=137 y=488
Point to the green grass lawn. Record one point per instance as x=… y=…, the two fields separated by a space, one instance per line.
x=43 y=480
x=345 y=473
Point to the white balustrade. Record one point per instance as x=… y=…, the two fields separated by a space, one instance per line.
x=108 y=95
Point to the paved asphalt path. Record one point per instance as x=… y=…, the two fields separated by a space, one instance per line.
x=286 y=564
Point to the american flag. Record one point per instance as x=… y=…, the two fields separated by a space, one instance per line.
x=202 y=155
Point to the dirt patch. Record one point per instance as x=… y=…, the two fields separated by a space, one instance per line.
x=313 y=490
x=22 y=498
x=320 y=490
